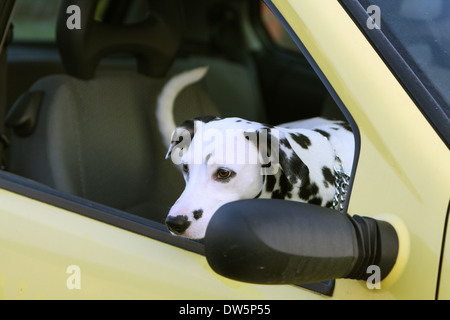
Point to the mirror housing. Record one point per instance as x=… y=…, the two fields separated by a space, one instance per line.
x=269 y=241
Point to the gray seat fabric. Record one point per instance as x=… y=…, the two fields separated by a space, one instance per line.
x=232 y=86
x=96 y=134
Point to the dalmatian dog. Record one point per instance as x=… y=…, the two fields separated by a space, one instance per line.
x=229 y=159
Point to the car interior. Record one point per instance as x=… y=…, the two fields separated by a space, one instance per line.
x=81 y=110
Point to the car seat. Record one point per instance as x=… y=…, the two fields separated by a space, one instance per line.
x=94 y=133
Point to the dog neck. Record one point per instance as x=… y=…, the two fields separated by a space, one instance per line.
x=278 y=186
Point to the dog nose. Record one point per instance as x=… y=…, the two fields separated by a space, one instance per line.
x=177 y=224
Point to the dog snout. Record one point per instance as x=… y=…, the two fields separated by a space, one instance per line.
x=177 y=224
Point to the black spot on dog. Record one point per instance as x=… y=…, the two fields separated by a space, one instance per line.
x=308 y=190
x=207 y=118
x=265 y=145
x=258 y=195
x=345 y=125
x=277 y=195
x=329 y=204
x=328 y=175
x=263 y=141
x=266 y=165
x=197 y=214
x=301 y=139
x=324 y=133
x=190 y=123
x=315 y=200
x=271 y=181
x=189 y=126
x=285 y=186
x=285 y=189
x=293 y=167
x=285 y=142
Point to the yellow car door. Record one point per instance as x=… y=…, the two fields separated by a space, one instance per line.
x=57 y=246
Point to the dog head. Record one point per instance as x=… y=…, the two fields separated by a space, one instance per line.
x=222 y=160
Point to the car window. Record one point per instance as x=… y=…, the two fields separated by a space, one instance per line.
x=36 y=21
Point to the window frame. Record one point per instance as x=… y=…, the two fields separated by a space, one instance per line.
x=96 y=211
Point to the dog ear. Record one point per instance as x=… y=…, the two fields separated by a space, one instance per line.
x=181 y=139
x=291 y=164
x=184 y=133
x=266 y=141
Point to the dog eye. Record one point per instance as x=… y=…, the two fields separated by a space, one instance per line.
x=223 y=173
x=185 y=168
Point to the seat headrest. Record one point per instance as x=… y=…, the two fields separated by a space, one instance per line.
x=154 y=42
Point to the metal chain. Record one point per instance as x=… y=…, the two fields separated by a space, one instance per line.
x=341 y=184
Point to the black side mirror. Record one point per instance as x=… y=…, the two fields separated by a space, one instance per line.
x=270 y=241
